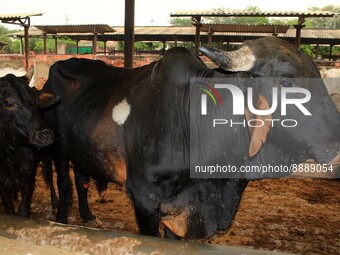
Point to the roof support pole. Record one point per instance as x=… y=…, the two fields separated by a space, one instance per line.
x=210 y=38
x=298 y=35
x=44 y=38
x=56 y=45
x=330 y=52
x=129 y=33
x=104 y=47
x=27 y=49
x=317 y=51
x=210 y=33
x=94 y=43
x=162 y=51
x=21 y=46
x=197 y=23
x=298 y=28
x=77 y=46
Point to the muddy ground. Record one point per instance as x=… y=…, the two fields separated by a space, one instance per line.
x=291 y=215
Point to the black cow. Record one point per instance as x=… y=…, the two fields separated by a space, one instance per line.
x=22 y=133
x=132 y=126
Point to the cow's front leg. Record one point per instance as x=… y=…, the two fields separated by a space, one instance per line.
x=82 y=184
x=148 y=220
x=27 y=188
x=7 y=200
x=146 y=211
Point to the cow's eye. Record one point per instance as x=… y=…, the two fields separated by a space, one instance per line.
x=8 y=104
x=286 y=83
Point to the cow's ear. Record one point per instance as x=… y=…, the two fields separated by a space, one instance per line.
x=259 y=127
x=47 y=99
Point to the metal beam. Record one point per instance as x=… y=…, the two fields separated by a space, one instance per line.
x=298 y=28
x=27 y=50
x=44 y=37
x=94 y=44
x=197 y=23
x=129 y=33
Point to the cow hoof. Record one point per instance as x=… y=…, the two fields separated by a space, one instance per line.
x=96 y=223
x=62 y=221
x=54 y=211
x=23 y=213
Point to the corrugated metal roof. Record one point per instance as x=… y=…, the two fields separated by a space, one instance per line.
x=306 y=33
x=20 y=15
x=180 y=30
x=228 y=13
x=315 y=33
x=159 y=30
x=88 y=28
x=32 y=32
x=244 y=28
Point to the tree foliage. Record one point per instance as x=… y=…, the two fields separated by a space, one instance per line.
x=181 y=22
x=239 y=20
x=326 y=22
x=309 y=23
x=35 y=44
x=4 y=38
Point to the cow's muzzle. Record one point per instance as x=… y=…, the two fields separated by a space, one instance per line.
x=41 y=138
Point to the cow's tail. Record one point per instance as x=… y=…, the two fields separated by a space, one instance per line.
x=47 y=172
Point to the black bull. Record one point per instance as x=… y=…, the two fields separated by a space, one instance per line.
x=132 y=127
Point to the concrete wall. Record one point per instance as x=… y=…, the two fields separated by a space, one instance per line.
x=16 y=64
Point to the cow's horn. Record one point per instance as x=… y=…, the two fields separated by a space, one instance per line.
x=30 y=74
x=238 y=60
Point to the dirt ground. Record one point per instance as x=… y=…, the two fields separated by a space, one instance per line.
x=291 y=215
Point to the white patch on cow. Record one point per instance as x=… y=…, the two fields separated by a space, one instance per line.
x=121 y=112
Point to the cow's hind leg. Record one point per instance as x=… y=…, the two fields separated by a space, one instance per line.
x=82 y=184
x=64 y=188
